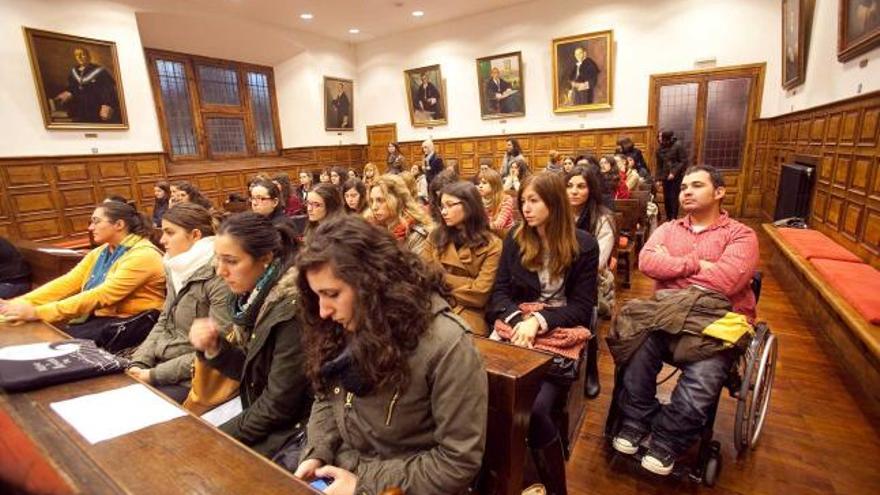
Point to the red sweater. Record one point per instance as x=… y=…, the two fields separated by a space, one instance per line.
x=730 y=245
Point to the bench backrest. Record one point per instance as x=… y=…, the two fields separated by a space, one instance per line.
x=46 y=261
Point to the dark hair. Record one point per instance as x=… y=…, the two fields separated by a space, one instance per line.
x=523 y=168
x=341 y=172
x=396 y=146
x=393 y=306
x=594 y=208
x=331 y=196
x=236 y=203
x=474 y=230
x=283 y=182
x=117 y=198
x=516 y=151
x=195 y=195
x=258 y=236
x=272 y=191
x=626 y=144
x=441 y=180
x=714 y=173
x=361 y=189
x=191 y=216
x=667 y=137
x=135 y=221
x=164 y=186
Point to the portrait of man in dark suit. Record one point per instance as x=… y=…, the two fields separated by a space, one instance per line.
x=338 y=99
x=501 y=86
x=424 y=91
x=582 y=67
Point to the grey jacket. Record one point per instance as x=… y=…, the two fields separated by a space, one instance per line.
x=167 y=352
x=428 y=439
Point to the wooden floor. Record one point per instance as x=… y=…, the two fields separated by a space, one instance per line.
x=816 y=439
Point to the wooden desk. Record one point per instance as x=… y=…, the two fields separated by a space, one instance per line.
x=514 y=376
x=46 y=266
x=184 y=455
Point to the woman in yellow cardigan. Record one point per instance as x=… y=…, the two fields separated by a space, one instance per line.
x=114 y=294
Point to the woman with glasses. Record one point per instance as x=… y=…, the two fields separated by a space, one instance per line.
x=467 y=252
x=395 y=209
x=117 y=282
x=322 y=202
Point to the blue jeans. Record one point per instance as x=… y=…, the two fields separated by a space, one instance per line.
x=10 y=290
x=678 y=424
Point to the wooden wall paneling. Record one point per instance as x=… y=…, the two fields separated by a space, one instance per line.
x=869 y=128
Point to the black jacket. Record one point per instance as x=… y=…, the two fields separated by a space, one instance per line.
x=433 y=168
x=274 y=389
x=671 y=159
x=514 y=285
x=13 y=268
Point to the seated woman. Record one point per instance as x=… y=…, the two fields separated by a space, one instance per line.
x=15 y=275
x=120 y=281
x=632 y=177
x=401 y=395
x=185 y=192
x=323 y=201
x=354 y=192
x=498 y=205
x=161 y=194
x=467 y=251
x=543 y=297
x=613 y=187
x=324 y=176
x=519 y=170
x=165 y=358
x=395 y=209
x=370 y=174
x=266 y=201
x=338 y=176
x=263 y=350
x=289 y=198
x=567 y=164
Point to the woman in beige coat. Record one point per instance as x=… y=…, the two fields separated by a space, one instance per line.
x=467 y=252
x=401 y=396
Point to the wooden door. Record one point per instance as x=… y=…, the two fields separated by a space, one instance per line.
x=378 y=137
x=713 y=114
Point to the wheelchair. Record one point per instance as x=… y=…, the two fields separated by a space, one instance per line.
x=749 y=381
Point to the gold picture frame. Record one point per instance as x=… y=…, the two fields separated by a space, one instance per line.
x=510 y=85
x=338 y=104
x=796 y=20
x=858 y=28
x=77 y=81
x=426 y=97
x=588 y=85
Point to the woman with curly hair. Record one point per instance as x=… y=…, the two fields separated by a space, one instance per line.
x=467 y=251
x=388 y=363
x=498 y=205
x=543 y=297
x=395 y=209
x=395 y=161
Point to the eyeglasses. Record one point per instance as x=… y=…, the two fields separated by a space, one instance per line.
x=97 y=220
x=449 y=206
x=314 y=205
x=259 y=199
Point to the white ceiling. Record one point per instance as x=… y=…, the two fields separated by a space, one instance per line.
x=333 y=18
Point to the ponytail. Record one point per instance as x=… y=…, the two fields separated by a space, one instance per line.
x=135 y=221
x=259 y=236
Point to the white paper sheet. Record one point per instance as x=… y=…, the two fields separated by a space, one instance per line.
x=224 y=412
x=110 y=414
x=57 y=250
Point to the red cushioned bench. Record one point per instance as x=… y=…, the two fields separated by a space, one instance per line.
x=838 y=296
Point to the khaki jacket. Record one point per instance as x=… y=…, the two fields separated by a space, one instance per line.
x=426 y=440
x=167 y=351
x=470 y=274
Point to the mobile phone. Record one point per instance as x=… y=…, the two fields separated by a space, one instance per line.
x=321 y=484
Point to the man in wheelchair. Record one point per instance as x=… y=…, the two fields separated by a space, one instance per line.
x=704 y=250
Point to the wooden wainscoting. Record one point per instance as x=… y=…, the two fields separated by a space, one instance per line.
x=843 y=137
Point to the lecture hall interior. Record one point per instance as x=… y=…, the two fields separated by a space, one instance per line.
x=387 y=247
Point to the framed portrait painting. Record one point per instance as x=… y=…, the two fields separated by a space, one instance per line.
x=583 y=72
x=796 y=19
x=426 y=96
x=858 y=28
x=338 y=104
x=500 y=79
x=77 y=81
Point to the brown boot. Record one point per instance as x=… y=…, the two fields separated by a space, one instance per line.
x=550 y=463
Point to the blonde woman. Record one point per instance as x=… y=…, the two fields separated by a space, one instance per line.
x=499 y=206
x=395 y=209
x=370 y=174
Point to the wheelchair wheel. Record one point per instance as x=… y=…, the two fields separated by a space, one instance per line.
x=711 y=470
x=757 y=386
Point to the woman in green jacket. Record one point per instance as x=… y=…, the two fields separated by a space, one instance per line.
x=401 y=392
x=165 y=358
x=263 y=350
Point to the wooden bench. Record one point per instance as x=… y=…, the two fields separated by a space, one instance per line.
x=846 y=334
x=47 y=262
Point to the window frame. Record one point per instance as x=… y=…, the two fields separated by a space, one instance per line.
x=202 y=111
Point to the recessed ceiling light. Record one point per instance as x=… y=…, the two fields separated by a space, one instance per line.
x=418 y=13
x=354 y=30
x=306 y=16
